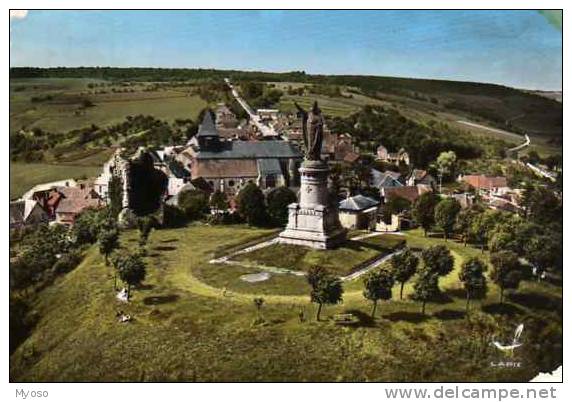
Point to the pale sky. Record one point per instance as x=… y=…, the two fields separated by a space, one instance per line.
x=517 y=48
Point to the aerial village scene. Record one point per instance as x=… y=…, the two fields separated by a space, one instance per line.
x=198 y=224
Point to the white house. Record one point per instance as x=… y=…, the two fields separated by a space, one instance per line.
x=358 y=212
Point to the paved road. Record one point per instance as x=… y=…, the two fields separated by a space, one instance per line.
x=491 y=129
x=525 y=144
x=254 y=118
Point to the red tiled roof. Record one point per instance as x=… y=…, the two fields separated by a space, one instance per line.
x=410 y=193
x=351 y=157
x=480 y=181
x=76 y=199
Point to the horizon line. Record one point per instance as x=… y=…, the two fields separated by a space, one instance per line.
x=296 y=71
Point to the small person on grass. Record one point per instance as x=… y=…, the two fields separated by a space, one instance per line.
x=302 y=315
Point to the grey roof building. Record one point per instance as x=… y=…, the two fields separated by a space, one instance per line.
x=228 y=165
x=357 y=203
x=358 y=212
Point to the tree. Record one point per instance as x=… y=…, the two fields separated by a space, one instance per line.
x=194 y=203
x=544 y=206
x=378 y=286
x=115 y=195
x=145 y=225
x=506 y=271
x=395 y=205
x=526 y=198
x=482 y=226
x=86 y=226
x=446 y=162
x=132 y=270
x=425 y=287
x=424 y=210
x=326 y=289
x=251 y=204
x=315 y=275
x=463 y=223
x=251 y=90
x=278 y=200
x=20 y=275
x=438 y=259
x=473 y=277
x=404 y=266
x=543 y=251
x=218 y=202
x=108 y=241
x=446 y=213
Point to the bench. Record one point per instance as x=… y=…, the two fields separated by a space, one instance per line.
x=344 y=319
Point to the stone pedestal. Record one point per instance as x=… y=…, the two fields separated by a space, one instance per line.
x=313 y=222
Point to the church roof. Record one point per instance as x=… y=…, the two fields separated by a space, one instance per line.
x=207 y=127
x=252 y=150
x=269 y=166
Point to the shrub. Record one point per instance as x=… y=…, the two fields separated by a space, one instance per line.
x=67 y=262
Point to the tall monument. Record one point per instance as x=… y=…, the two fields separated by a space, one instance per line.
x=313 y=221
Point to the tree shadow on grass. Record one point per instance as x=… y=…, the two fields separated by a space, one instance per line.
x=409 y=316
x=355 y=245
x=441 y=298
x=502 y=309
x=145 y=287
x=449 y=314
x=154 y=300
x=536 y=301
x=169 y=241
x=365 y=320
x=165 y=248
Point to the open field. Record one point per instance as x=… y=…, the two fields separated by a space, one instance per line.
x=187 y=330
x=63 y=112
x=24 y=176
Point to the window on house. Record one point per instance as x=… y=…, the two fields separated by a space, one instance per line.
x=231 y=183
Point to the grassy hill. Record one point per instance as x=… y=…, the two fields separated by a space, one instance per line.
x=186 y=328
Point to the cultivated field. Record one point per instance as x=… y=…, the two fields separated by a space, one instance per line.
x=64 y=111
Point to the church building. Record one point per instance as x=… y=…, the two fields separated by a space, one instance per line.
x=229 y=165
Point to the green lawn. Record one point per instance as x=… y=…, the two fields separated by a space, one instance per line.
x=24 y=176
x=185 y=329
x=340 y=261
